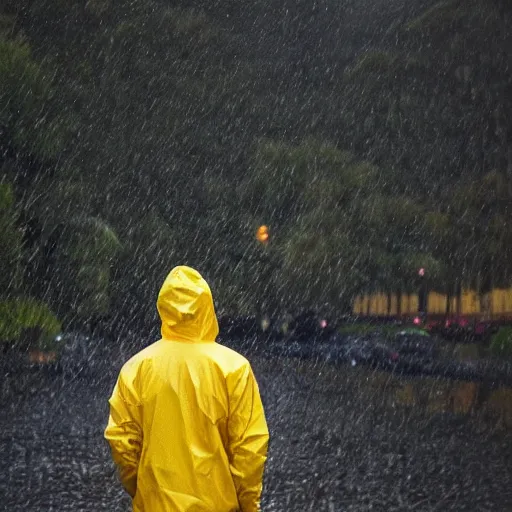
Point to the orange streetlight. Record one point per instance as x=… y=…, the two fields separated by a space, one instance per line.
x=262 y=234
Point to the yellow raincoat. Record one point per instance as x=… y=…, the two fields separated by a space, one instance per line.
x=187 y=428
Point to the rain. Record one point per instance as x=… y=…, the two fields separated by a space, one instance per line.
x=339 y=171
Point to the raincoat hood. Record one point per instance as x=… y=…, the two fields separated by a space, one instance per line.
x=185 y=306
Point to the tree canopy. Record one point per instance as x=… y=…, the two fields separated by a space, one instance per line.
x=137 y=136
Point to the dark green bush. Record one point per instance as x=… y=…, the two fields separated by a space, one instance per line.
x=501 y=342
x=28 y=322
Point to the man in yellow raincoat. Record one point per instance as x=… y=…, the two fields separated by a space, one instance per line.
x=187 y=428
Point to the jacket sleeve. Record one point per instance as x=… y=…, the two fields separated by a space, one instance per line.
x=247 y=437
x=124 y=432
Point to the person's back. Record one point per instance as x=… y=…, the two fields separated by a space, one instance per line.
x=186 y=425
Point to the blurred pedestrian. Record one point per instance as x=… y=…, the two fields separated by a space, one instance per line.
x=187 y=427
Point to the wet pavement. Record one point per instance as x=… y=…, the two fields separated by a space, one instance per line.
x=342 y=439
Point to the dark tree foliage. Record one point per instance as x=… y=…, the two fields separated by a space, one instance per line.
x=372 y=137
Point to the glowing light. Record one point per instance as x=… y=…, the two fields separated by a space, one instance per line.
x=262 y=234
x=323 y=324
x=38 y=357
x=417 y=320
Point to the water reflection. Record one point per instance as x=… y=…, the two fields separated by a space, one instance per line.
x=430 y=396
x=352 y=438
x=460 y=398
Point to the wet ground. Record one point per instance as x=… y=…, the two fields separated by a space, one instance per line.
x=343 y=439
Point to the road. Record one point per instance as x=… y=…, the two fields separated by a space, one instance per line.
x=339 y=442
